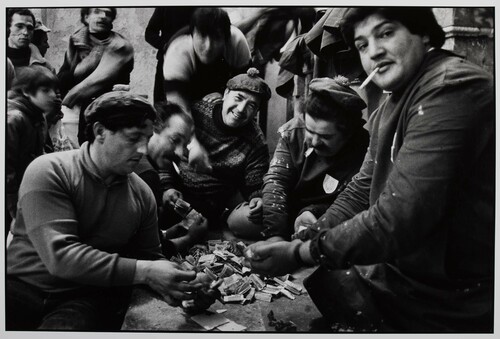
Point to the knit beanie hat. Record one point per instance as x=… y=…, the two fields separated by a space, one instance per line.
x=250 y=82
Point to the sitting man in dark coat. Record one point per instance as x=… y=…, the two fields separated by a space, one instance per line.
x=408 y=246
x=316 y=156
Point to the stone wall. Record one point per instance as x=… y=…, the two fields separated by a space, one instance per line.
x=469 y=32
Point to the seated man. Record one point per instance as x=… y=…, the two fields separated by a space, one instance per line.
x=198 y=64
x=172 y=131
x=97 y=58
x=21 y=52
x=86 y=228
x=33 y=95
x=408 y=246
x=236 y=149
x=315 y=158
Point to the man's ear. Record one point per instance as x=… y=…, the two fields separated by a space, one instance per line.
x=99 y=131
x=426 y=40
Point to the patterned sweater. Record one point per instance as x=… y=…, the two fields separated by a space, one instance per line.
x=239 y=157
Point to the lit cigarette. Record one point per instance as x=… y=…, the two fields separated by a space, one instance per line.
x=308 y=152
x=176 y=168
x=369 y=78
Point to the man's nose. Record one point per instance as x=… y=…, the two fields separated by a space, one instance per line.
x=242 y=106
x=143 y=147
x=375 y=50
x=180 y=150
x=315 y=141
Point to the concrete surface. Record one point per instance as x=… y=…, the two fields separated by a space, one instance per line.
x=147 y=312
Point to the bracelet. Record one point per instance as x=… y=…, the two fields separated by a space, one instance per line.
x=298 y=258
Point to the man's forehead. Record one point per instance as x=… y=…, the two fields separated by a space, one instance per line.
x=370 y=24
x=248 y=95
x=20 y=18
x=102 y=9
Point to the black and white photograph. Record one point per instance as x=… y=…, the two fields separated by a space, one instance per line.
x=187 y=169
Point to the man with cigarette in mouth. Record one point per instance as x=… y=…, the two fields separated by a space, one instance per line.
x=316 y=156
x=237 y=151
x=408 y=246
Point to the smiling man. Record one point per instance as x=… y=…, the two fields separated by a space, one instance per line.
x=408 y=246
x=172 y=132
x=86 y=228
x=236 y=149
x=199 y=62
x=316 y=156
x=97 y=58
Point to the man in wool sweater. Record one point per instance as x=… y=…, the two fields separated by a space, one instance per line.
x=237 y=151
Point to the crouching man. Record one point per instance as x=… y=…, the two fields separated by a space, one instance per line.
x=86 y=228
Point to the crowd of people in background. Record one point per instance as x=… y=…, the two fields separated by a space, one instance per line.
x=397 y=212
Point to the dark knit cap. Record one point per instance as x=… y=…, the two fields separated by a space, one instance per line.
x=119 y=105
x=250 y=82
x=338 y=91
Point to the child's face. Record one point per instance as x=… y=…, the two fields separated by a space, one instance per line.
x=45 y=98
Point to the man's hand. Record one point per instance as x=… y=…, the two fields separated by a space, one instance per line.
x=306 y=219
x=167 y=279
x=170 y=196
x=274 y=259
x=303 y=227
x=255 y=214
x=198 y=228
x=198 y=157
x=204 y=296
x=213 y=97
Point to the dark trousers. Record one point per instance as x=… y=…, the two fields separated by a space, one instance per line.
x=89 y=309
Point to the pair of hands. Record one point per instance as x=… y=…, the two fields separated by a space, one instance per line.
x=198 y=223
x=175 y=284
x=274 y=258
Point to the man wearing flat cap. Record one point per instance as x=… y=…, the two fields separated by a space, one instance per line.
x=316 y=156
x=237 y=151
x=86 y=228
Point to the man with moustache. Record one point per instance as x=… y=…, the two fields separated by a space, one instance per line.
x=316 y=156
x=97 y=58
x=408 y=246
x=237 y=151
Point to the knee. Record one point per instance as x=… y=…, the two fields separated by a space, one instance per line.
x=239 y=224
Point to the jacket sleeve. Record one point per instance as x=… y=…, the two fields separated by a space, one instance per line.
x=52 y=226
x=65 y=74
x=113 y=61
x=14 y=136
x=278 y=183
x=256 y=167
x=446 y=129
x=153 y=30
